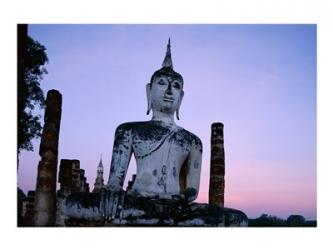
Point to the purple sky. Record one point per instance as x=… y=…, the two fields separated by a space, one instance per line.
x=259 y=80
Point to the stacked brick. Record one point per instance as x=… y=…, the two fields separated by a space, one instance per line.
x=28 y=206
x=45 y=197
x=72 y=180
x=217 y=166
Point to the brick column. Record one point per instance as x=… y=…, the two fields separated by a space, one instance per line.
x=45 y=197
x=72 y=180
x=28 y=208
x=217 y=166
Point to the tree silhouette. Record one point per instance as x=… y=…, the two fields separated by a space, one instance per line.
x=295 y=220
x=266 y=220
x=31 y=58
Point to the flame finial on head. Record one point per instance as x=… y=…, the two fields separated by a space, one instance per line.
x=167 y=62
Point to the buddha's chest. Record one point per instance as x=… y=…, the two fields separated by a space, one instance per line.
x=159 y=164
x=166 y=148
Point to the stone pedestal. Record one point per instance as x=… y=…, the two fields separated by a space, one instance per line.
x=85 y=210
x=217 y=166
x=45 y=198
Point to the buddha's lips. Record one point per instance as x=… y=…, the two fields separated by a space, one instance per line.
x=168 y=99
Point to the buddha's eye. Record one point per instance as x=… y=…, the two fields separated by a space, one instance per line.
x=161 y=82
x=176 y=85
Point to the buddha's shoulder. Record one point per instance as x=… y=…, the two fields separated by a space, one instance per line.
x=130 y=125
x=141 y=126
x=189 y=136
x=157 y=129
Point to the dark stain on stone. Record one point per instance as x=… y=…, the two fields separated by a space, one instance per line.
x=164 y=170
x=154 y=131
x=112 y=169
x=190 y=193
x=155 y=172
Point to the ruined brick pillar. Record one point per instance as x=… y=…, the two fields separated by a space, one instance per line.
x=72 y=180
x=45 y=197
x=65 y=180
x=28 y=208
x=217 y=166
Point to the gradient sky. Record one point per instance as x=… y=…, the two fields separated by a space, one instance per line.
x=259 y=80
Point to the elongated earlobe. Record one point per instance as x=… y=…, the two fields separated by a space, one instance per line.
x=148 y=98
x=180 y=102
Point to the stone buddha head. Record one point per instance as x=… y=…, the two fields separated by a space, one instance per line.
x=165 y=89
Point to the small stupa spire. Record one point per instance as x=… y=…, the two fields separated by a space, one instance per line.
x=99 y=181
x=100 y=165
x=167 y=62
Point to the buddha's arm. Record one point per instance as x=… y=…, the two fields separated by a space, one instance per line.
x=121 y=155
x=112 y=197
x=194 y=170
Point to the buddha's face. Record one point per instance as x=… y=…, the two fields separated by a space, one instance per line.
x=166 y=94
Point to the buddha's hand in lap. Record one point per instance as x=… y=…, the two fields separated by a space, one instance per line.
x=111 y=203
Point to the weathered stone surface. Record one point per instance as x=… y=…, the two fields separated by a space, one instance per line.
x=85 y=206
x=141 y=211
x=86 y=210
x=162 y=151
x=20 y=198
x=28 y=207
x=45 y=198
x=71 y=179
x=217 y=166
x=235 y=218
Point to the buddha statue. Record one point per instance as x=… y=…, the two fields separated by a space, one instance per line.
x=168 y=159
x=163 y=151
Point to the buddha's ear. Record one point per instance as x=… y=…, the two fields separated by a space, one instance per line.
x=148 y=93
x=180 y=102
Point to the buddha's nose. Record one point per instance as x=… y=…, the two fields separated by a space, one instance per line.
x=169 y=89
